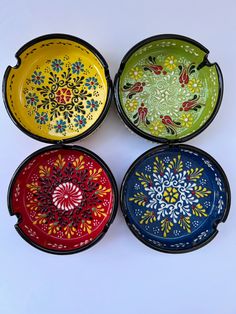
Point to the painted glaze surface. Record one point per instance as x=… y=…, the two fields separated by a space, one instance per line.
x=64 y=198
x=174 y=197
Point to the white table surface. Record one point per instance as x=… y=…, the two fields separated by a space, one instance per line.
x=120 y=274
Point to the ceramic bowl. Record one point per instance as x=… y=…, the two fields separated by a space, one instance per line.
x=60 y=89
x=174 y=197
x=65 y=198
x=166 y=90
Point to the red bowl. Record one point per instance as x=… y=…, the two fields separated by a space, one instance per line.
x=65 y=198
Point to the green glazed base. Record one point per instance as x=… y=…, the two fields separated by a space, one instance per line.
x=167 y=90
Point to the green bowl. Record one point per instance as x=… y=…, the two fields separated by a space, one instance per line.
x=166 y=90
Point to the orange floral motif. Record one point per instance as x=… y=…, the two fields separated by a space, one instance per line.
x=95 y=174
x=86 y=226
x=99 y=211
x=102 y=191
x=33 y=204
x=69 y=230
x=40 y=219
x=53 y=228
x=79 y=163
x=34 y=187
x=60 y=162
x=44 y=171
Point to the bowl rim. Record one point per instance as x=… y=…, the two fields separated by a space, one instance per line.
x=107 y=104
x=64 y=147
x=205 y=62
x=214 y=228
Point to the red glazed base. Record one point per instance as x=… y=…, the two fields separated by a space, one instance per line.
x=65 y=198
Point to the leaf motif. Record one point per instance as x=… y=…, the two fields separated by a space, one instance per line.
x=98 y=211
x=184 y=223
x=94 y=174
x=86 y=226
x=102 y=191
x=159 y=166
x=148 y=216
x=176 y=164
x=60 y=162
x=139 y=198
x=79 y=163
x=44 y=171
x=145 y=179
x=166 y=226
x=200 y=191
x=194 y=174
x=199 y=211
x=34 y=187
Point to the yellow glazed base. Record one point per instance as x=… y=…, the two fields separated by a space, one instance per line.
x=58 y=90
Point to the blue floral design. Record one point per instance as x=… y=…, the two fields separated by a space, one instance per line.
x=91 y=83
x=60 y=126
x=80 y=121
x=92 y=105
x=77 y=67
x=32 y=99
x=37 y=78
x=57 y=65
x=41 y=118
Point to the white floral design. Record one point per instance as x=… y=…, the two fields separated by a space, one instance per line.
x=66 y=196
x=171 y=195
x=184 y=195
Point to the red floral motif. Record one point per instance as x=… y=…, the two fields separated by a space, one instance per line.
x=66 y=196
x=185 y=72
x=170 y=124
x=63 y=96
x=192 y=104
x=133 y=88
x=141 y=115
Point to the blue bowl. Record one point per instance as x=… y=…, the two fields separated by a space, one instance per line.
x=174 y=197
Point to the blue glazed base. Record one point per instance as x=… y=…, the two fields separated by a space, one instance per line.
x=173 y=198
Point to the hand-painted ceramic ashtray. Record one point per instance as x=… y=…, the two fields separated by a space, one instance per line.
x=65 y=198
x=166 y=90
x=174 y=197
x=59 y=91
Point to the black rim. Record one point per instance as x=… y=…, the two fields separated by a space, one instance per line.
x=205 y=62
x=200 y=152
x=107 y=75
x=68 y=147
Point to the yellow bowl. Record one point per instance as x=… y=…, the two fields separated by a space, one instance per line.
x=60 y=89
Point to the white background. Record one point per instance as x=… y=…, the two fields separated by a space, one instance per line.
x=120 y=274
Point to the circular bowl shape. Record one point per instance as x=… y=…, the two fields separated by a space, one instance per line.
x=65 y=198
x=166 y=90
x=59 y=91
x=173 y=198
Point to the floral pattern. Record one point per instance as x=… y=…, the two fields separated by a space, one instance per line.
x=77 y=67
x=57 y=65
x=60 y=126
x=66 y=197
x=92 y=105
x=171 y=196
x=32 y=99
x=166 y=85
x=80 y=121
x=41 y=118
x=91 y=83
x=61 y=91
x=37 y=78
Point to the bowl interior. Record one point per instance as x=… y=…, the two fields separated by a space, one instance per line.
x=172 y=195
x=58 y=90
x=64 y=199
x=164 y=93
